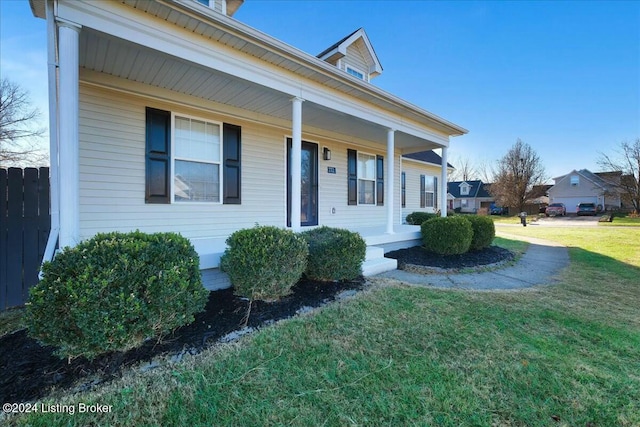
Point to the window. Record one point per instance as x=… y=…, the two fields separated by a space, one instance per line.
x=191 y=154
x=355 y=73
x=403 y=185
x=366 y=179
x=463 y=203
x=575 y=180
x=428 y=192
x=204 y=2
x=365 y=173
x=196 y=167
x=464 y=189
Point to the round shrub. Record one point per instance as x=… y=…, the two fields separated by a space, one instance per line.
x=417 y=218
x=447 y=236
x=484 y=231
x=334 y=254
x=114 y=291
x=264 y=262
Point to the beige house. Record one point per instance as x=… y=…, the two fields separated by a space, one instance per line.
x=173 y=116
x=583 y=186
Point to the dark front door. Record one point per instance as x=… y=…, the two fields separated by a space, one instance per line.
x=309 y=184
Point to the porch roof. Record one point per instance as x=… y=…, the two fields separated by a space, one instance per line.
x=185 y=47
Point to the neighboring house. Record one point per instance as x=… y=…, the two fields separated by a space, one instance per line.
x=584 y=186
x=173 y=116
x=420 y=182
x=469 y=196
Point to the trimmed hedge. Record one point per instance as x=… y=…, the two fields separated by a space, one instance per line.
x=417 y=218
x=484 y=231
x=264 y=262
x=114 y=291
x=334 y=254
x=447 y=236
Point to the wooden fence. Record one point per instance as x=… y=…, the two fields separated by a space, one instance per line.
x=24 y=229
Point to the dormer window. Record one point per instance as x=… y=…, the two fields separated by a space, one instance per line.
x=355 y=73
x=464 y=189
x=575 y=180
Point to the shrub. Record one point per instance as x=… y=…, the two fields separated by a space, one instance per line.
x=447 y=236
x=484 y=231
x=114 y=291
x=264 y=262
x=417 y=218
x=334 y=254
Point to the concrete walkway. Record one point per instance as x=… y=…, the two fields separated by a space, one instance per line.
x=539 y=265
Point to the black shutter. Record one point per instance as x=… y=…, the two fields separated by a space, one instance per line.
x=158 y=156
x=423 y=201
x=352 y=174
x=380 y=180
x=403 y=184
x=435 y=193
x=231 y=153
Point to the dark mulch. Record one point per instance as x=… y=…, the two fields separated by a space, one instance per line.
x=29 y=370
x=420 y=256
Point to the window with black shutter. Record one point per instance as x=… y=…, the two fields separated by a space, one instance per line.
x=352 y=177
x=231 y=153
x=380 y=180
x=403 y=185
x=423 y=201
x=158 y=156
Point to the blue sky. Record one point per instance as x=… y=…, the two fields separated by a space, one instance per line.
x=562 y=76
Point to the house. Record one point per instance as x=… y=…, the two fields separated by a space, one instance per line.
x=419 y=182
x=469 y=196
x=583 y=186
x=173 y=116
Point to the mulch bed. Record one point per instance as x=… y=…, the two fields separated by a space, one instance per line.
x=29 y=370
x=419 y=256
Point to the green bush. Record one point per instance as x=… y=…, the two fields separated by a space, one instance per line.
x=447 y=236
x=484 y=231
x=334 y=254
x=114 y=291
x=417 y=218
x=264 y=262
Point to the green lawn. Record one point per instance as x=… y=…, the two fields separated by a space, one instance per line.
x=566 y=355
x=622 y=220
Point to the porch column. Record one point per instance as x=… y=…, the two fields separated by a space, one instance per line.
x=443 y=184
x=68 y=132
x=296 y=162
x=390 y=196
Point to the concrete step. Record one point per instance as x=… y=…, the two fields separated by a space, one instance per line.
x=378 y=265
x=374 y=252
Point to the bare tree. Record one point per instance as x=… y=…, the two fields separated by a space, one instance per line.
x=516 y=174
x=19 y=128
x=625 y=159
x=464 y=170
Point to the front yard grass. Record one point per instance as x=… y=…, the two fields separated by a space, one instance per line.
x=622 y=220
x=562 y=355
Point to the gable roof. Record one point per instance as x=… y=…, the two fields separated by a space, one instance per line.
x=477 y=189
x=585 y=173
x=339 y=50
x=429 y=156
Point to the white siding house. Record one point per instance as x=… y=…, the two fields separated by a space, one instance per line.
x=173 y=116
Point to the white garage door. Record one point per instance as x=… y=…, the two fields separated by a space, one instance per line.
x=571 y=203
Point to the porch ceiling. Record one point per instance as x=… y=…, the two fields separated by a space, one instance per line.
x=121 y=58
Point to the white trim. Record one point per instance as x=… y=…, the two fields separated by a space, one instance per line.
x=444 y=187
x=389 y=179
x=296 y=160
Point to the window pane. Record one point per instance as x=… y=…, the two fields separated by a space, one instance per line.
x=429 y=199
x=428 y=183
x=366 y=166
x=366 y=192
x=197 y=140
x=196 y=182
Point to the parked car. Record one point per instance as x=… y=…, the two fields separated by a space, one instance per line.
x=586 y=209
x=497 y=210
x=555 y=209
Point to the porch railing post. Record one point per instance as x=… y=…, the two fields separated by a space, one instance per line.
x=296 y=162
x=390 y=196
x=443 y=184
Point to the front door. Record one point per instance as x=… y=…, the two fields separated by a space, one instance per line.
x=309 y=184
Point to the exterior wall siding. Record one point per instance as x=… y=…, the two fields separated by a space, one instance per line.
x=413 y=170
x=112 y=178
x=355 y=59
